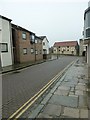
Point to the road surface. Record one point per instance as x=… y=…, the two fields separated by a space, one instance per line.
x=19 y=87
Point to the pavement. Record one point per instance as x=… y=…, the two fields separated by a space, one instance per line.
x=69 y=98
x=19 y=66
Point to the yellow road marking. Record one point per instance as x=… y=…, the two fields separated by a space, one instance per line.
x=37 y=95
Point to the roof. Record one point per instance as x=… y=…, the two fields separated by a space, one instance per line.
x=5 y=18
x=42 y=37
x=86 y=11
x=21 y=28
x=66 y=43
x=38 y=38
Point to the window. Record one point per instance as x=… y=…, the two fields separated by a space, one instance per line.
x=72 y=52
x=32 y=50
x=88 y=32
x=35 y=41
x=24 y=51
x=24 y=35
x=43 y=43
x=59 y=46
x=40 y=51
x=36 y=52
x=32 y=38
x=40 y=41
x=4 y=47
x=67 y=46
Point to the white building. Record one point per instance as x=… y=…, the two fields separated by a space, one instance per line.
x=82 y=48
x=5 y=41
x=87 y=34
x=45 y=45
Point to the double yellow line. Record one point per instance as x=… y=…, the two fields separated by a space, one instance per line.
x=23 y=108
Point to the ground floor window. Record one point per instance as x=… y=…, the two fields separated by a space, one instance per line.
x=36 y=52
x=4 y=47
x=24 y=51
x=32 y=50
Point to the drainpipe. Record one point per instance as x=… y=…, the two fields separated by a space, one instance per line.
x=88 y=59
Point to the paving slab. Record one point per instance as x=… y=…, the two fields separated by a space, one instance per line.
x=78 y=92
x=80 y=87
x=68 y=84
x=63 y=88
x=61 y=92
x=41 y=115
x=53 y=110
x=69 y=101
x=83 y=101
x=84 y=113
x=71 y=93
x=71 y=112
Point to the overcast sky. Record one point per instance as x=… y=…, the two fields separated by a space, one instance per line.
x=59 y=20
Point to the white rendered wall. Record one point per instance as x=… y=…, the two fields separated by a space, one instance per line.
x=5 y=37
x=46 y=46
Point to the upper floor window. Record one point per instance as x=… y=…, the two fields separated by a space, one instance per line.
x=4 y=47
x=35 y=41
x=43 y=43
x=32 y=38
x=88 y=32
x=23 y=35
x=40 y=51
x=40 y=41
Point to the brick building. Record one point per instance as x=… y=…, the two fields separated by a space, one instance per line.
x=25 y=47
x=66 y=48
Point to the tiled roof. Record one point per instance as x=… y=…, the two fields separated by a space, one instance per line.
x=66 y=43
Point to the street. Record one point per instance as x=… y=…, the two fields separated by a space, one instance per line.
x=20 y=86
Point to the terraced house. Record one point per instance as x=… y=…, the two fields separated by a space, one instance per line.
x=66 y=48
x=26 y=46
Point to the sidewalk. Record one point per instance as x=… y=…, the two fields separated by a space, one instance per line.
x=18 y=66
x=69 y=98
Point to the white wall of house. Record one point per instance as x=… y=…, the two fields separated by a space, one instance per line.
x=87 y=35
x=5 y=35
x=45 y=45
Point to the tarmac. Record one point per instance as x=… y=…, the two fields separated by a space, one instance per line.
x=69 y=98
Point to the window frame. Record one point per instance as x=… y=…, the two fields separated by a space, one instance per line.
x=24 y=52
x=24 y=34
x=5 y=47
x=36 y=52
x=31 y=50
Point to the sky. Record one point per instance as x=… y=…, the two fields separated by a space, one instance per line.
x=59 y=20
